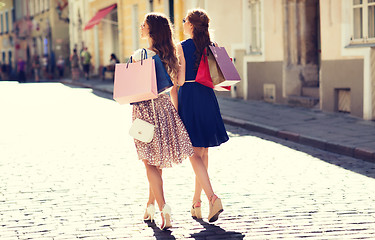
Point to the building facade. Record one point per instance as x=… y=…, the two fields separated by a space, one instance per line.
x=312 y=53
x=107 y=27
x=7 y=59
x=348 y=60
x=41 y=28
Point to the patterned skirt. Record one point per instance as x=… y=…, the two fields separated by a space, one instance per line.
x=171 y=143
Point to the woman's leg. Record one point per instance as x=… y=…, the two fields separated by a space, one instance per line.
x=198 y=187
x=151 y=196
x=156 y=183
x=201 y=171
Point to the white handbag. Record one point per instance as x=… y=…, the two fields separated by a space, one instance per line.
x=142 y=130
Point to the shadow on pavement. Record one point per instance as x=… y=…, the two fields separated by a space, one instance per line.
x=103 y=94
x=215 y=232
x=160 y=234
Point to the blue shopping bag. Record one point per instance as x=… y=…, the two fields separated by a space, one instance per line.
x=163 y=80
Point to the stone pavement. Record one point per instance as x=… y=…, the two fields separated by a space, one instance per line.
x=69 y=170
x=334 y=132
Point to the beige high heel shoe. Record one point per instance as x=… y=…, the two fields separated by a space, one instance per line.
x=166 y=213
x=215 y=209
x=196 y=212
x=149 y=213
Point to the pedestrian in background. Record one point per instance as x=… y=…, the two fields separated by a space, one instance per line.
x=21 y=64
x=36 y=67
x=60 y=66
x=74 y=64
x=171 y=143
x=45 y=66
x=111 y=67
x=199 y=110
x=1 y=71
x=86 y=62
x=52 y=64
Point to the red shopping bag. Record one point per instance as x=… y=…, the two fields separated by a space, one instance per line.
x=135 y=82
x=203 y=74
x=222 y=88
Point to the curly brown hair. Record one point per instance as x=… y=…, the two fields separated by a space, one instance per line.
x=161 y=34
x=201 y=37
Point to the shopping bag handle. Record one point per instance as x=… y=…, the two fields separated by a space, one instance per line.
x=213 y=44
x=129 y=61
x=143 y=54
x=143 y=57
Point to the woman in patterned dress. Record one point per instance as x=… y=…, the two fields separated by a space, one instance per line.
x=199 y=110
x=171 y=143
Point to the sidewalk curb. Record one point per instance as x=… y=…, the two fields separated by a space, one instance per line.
x=360 y=153
x=86 y=85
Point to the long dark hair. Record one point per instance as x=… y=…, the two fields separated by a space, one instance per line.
x=201 y=37
x=162 y=41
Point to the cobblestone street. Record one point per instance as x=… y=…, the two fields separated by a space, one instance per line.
x=69 y=170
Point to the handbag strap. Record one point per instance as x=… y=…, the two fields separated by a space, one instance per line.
x=153 y=109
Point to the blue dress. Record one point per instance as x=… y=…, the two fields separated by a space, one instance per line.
x=198 y=106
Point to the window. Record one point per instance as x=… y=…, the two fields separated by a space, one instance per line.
x=1 y=23
x=6 y=22
x=363 y=21
x=171 y=10
x=254 y=27
x=10 y=57
x=13 y=17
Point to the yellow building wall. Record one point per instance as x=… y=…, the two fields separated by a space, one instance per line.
x=330 y=19
x=125 y=24
x=59 y=31
x=273 y=31
x=4 y=38
x=94 y=7
x=179 y=14
x=331 y=24
x=225 y=30
x=159 y=6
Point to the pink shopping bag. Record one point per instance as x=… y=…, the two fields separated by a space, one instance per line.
x=135 y=82
x=226 y=66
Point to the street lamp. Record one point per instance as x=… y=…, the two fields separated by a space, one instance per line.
x=2 y=4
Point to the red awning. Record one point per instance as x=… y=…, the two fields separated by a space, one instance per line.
x=99 y=16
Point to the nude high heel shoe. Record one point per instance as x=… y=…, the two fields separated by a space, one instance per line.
x=149 y=213
x=215 y=209
x=196 y=211
x=166 y=213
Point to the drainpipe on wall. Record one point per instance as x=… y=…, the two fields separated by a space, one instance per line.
x=96 y=45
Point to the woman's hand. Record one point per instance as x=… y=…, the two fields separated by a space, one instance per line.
x=174 y=96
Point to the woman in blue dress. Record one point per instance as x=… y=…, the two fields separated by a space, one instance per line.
x=199 y=110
